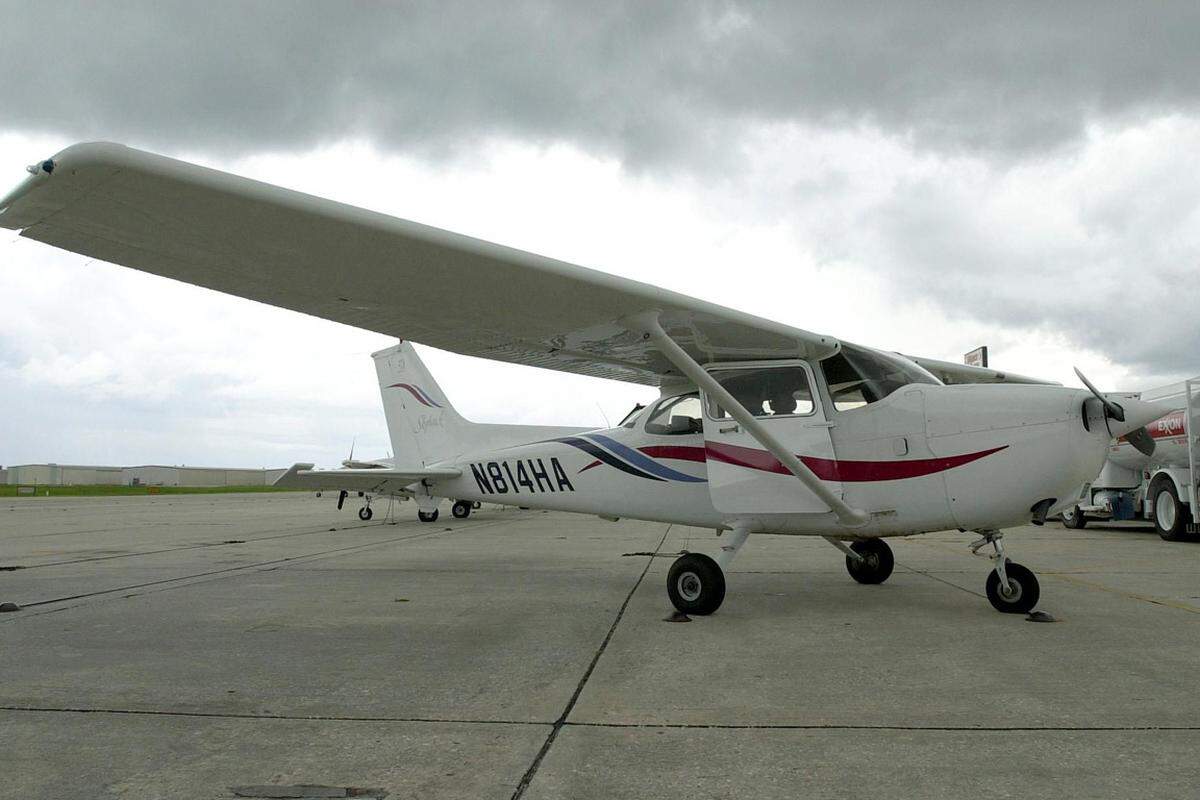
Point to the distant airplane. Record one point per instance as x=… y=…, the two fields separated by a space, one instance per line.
x=760 y=427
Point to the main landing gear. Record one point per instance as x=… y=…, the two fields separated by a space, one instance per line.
x=696 y=582
x=365 y=513
x=867 y=560
x=428 y=516
x=461 y=509
x=874 y=563
x=1011 y=588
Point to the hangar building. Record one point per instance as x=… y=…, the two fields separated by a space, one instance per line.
x=144 y=475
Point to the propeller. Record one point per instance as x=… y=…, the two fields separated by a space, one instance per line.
x=1140 y=438
x=1111 y=409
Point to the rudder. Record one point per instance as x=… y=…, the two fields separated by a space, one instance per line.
x=422 y=424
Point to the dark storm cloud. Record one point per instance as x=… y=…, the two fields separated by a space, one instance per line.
x=648 y=82
x=1123 y=287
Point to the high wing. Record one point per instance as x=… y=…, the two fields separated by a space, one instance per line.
x=372 y=271
x=375 y=481
x=949 y=372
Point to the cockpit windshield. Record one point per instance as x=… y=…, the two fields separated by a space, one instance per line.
x=857 y=376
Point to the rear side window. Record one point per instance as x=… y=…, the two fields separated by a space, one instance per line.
x=766 y=391
x=676 y=416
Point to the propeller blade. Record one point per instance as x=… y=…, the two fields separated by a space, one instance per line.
x=1112 y=409
x=1141 y=440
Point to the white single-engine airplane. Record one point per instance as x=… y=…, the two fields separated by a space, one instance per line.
x=761 y=427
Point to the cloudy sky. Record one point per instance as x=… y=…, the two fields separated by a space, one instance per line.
x=925 y=177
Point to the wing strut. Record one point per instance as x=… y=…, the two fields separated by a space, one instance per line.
x=649 y=324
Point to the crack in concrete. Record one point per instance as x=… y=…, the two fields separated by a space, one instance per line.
x=559 y=723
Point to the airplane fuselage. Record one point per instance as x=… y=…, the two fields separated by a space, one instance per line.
x=924 y=458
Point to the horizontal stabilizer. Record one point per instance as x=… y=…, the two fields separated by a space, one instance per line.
x=375 y=481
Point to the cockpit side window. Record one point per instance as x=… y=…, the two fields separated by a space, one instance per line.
x=675 y=416
x=857 y=376
x=775 y=391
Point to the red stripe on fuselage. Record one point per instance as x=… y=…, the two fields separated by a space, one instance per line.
x=828 y=469
x=675 y=451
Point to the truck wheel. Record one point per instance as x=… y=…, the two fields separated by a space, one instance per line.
x=1170 y=515
x=1073 y=518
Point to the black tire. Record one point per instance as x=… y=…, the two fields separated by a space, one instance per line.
x=696 y=584
x=461 y=509
x=1025 y=591
x=1172 y=524
x=1073 y=518
x=876 y=564
x=428 y=516
x=365 y=513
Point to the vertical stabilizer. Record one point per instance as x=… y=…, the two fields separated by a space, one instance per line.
x=423 y=426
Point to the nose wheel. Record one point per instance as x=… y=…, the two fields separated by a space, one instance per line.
x=461 y=509
x=1011 y=588
x=1016 y=593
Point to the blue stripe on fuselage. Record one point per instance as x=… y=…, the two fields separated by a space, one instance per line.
x=643 y=461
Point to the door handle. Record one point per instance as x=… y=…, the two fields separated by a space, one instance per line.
x=730 y=429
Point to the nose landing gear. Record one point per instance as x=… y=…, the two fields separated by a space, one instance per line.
x=1011 y=588
x=461 y=509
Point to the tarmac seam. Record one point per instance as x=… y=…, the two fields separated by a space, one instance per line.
x=199 y=546
x=939 y=580
x=559 y=723
x=232 y=572
x=243 y=567
x=293 y=717
x=616 y=725
x=1155 y=601
x=839 y=727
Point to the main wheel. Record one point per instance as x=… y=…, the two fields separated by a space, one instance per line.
x=428 y=516
x=876 y=563
x=1170 y=515
x=1073 y=518
x=365 y=513
x=1020 y=596
x=696 y=584
x=461 y=509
